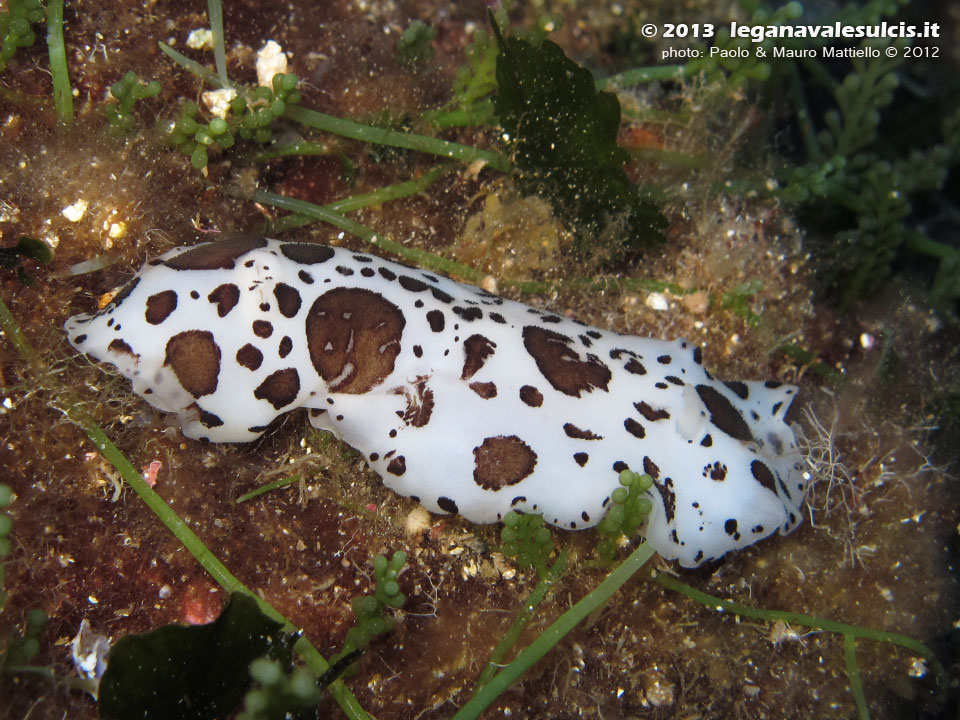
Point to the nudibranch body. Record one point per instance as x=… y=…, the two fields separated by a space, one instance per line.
x=467 y=402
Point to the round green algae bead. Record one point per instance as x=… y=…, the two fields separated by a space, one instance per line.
x=6 y=495
x=218 y=126
x=375 y=626
x=256 y=702
x=615 y=515
x=199 y=157
x=303 y=683
x=266 y=671
x=36 y=619
x=29 y=648
x=6 y=524
x=187 y=125
x=365 y=606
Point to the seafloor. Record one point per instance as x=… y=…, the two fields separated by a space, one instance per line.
x=877 y=549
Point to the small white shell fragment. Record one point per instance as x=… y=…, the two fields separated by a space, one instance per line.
x=89 y=651
x=76 y=211
x=657 y=301
x=200 y=39
x=218 y=101
x=270 y=61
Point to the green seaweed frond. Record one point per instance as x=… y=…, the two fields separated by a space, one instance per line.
x=741 y=60
x=6 y=525
x=414 y=46
x=738 y=300
x=27 y=247
x=16 y=29
x=860 y=189
x=525 y=538
x=562 y=136
x=293 y=695
x=16 y=649
x=370 y=610
x=127 y=91
x=472 y=88
x=250 y=117
x=628 y=510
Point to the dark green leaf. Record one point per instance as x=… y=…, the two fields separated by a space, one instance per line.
x=180 y=673
x=563 y=137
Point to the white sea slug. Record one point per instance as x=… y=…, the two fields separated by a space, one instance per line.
x=466 y=402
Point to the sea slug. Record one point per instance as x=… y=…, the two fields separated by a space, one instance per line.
x=466 y=402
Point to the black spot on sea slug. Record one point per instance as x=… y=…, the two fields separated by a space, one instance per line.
x=436 y=320
x=307 y=253
x=723 y=414
x=249 y=357
x=561 y=365
x=118 y=346
x=634 y=428
x=730 y=528
x=280 y=388
x=412 y=284
x=220 y=255
x=649 y=413
x=531 y=396
x=262 y=328
x=357 y=332
x=572 y=431
x=738 y=388
x=288 y=299
x=650 y=468
x=194 y=358
x=501 y=461
x=210 y=420
x=763 y=475
x=469 y=314
x=477 y=349
x=441 y=295
x=160 y=306
x=486 y=390
x=226 y=297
